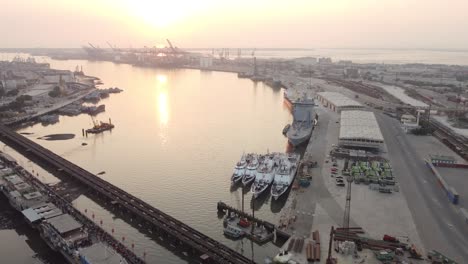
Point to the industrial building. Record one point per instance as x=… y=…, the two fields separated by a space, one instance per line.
x=360 y=129
x=338 y=102
x=409 y=122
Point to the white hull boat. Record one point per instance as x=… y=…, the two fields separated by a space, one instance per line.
x=264 y=177
x=253 y=162
x=239 y=171
x=285 y=174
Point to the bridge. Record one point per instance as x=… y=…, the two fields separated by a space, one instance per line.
x=182 y=236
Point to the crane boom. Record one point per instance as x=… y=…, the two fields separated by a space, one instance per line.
x=92 y=45
x=110 y=45
x=170 y=45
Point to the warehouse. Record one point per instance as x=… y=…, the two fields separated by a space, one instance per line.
x=360 y=129
x=338 y=102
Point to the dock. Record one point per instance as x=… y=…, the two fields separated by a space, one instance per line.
x=224 y=208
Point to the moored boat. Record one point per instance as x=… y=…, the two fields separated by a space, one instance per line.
x=251 y=170
x=285 y=174
x=239 y=170
x=264 y=176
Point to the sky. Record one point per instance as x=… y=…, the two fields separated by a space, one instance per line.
x=429 y=24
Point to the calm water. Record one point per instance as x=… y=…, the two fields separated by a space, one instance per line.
x=178 y=135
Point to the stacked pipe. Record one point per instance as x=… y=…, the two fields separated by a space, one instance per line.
x=291 y=244
x=317 y=252
x=310 y=252
x=343 y=235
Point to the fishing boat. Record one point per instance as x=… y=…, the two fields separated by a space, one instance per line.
x=251 y=171
x=285 y=174
x=264 y=176
x=239 y=170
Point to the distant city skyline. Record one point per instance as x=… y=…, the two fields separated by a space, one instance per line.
x=397 y=24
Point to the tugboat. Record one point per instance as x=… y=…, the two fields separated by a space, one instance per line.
x=100 y=127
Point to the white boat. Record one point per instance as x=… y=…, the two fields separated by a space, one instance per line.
x=253 y=161
x=239 y=170
x=264 y=176
x=285 y=174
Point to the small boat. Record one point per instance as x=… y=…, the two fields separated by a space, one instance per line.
x=239 y=170
x=250 y=172
x=233 y=231
x=263 y=177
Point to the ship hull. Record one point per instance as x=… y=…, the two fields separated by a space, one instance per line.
x=299 y=140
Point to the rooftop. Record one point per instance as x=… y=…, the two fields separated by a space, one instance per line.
x=99 y=253
x=31 y=215
x=338 y=99
x=32 y=195
x=402 y=96
x=46 y=210
x=14 y=179
x=442 y=157
x=64 y=223
x=22 y=186
x=357 y=124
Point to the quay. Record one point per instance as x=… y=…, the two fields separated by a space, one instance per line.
x=224 y=208
x=96 y=233
x=183 y=236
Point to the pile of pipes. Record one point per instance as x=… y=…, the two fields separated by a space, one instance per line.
x=313 y=248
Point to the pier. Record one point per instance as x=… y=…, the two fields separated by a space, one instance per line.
x=222 y=207
x=92 y=227
x=185 y=238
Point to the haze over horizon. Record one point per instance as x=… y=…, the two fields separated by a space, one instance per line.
x=408 y=24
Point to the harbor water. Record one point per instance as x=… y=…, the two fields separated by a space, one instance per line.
x=178 y=135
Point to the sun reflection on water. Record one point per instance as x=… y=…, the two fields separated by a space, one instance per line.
x=162 y=102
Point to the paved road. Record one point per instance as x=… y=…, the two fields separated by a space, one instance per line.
x=439 y=223
x=317 y=192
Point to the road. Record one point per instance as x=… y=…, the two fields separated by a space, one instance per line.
x=439 y=223
x=317 y=192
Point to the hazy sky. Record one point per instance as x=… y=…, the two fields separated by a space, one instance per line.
x=237 y=23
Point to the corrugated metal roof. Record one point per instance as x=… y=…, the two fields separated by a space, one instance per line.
x=31 y=215
x=357 y=124
x=64 y=223
x=339 y=100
